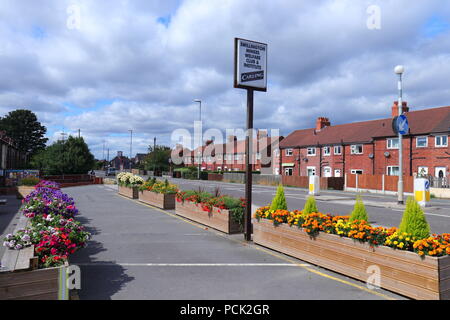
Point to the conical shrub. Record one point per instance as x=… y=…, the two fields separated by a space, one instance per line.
x=310 y=206
x=359 y=211
x=414 y=221
x=279 y=201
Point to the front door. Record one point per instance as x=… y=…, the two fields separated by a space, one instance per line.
x=440 y=172
x=327 y=172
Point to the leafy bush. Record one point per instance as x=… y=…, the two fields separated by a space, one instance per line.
x=29 y=181
x=414 y=221
x=310 y=206
x=359 y=211
x=159 y=187
x=279 y=201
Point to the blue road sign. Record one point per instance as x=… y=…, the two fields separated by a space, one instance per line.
x=427 y=185
x=402 y=124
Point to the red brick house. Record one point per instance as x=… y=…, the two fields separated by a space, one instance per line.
x=370 y=147
x=230 y=156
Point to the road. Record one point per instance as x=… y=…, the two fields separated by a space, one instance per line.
x=139 y=252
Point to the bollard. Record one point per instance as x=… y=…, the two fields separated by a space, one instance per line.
x=422 y=192
x=314 y=185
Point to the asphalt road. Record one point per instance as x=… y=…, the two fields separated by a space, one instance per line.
x=382 y=209
x=139 y=252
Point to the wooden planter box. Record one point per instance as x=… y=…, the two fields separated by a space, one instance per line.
x=403 y=272
x=221 y=221
x=132 y=193
x=160 y=200
x=24 y=191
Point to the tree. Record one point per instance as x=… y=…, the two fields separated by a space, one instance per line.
x=158 y=159
x=414 y=221
x=310 y=206
x=69 y=157
x=22 y=126
x=359 y=211
x=279 y=201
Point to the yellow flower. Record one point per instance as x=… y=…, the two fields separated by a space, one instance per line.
x=396 y=242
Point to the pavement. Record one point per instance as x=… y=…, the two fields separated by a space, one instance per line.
x=8 y=218
x=141 y=252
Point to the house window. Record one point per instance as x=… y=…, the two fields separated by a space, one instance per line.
x=392 y=143
x=288 y=152
x=288 y=171
x=311 y=151
x=441 y=141
x=337 y=150
x=422 y=171
x=311 y=171
x=337 y=173
x=356 y=149
x=421 y=142
x=326 y=151
x=356 y=171
x=392 y=171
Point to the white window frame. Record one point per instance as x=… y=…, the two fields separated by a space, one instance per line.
x=441 y=145
x=291 y=169
x=326 y=154
x=340 y=150
x=389 y=168
x=389 y=143
x=353 y=148
x=311 y=154
x=337 y=170
x=426 y=141
x=289 y=152
x=353 y=171
x=311 y=168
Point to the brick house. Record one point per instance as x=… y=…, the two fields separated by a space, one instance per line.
x=120 y=162
x=230 y=156
x=370 y=147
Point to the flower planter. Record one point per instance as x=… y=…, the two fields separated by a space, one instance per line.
x=160 y=200
x=24 y=191
x=132 y=193
x=219 y=219
x=402 y=272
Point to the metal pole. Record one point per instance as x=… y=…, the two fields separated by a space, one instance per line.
x=131 y=146
x=400 y=143
x=201 y=147
x=154 y=154
x=248 y=167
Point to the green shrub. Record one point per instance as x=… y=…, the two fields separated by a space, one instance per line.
x=310 y=206
x=359 y=211
x=414 y=221
x=29 y=181
x=279 y=201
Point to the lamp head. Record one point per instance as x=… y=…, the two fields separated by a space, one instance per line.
x=399 y=69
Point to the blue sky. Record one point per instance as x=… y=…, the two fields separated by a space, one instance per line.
x=123 y=65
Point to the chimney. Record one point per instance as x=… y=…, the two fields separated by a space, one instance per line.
x=322 y=122
x=119 y=154
x=260 y=134
x=232 y=138
x=405 y=108
x=208 y=142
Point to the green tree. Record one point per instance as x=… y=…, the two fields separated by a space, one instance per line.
x=310 y=206
x=279 y=201
x=414 y=221
x=158 y=159
x=22 y=126
x=69 y=157
x=359 y=211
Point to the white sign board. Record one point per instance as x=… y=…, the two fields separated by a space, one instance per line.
x=250 y=67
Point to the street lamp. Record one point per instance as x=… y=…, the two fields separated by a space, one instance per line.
x=131 y=145
x=201 y=148
x=399 y=70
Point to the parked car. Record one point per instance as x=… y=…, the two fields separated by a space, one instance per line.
x=110 y=172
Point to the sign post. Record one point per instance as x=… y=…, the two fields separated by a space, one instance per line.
x=250 y=73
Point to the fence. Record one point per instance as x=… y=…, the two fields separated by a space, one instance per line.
x=264 y=179
x=303 y=182
x=381 y=183
x=439 y=182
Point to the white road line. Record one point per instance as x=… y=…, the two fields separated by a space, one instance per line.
x=193 y=264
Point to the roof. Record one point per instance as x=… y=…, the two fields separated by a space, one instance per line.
x=428 y=121
x=236 y=146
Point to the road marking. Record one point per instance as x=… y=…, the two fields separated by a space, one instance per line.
x=126 y=264
x=300 y=265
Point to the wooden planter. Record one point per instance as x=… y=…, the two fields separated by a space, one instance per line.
x=403 y=272
x=160 y=200
x=132 y=193
x=219 y=219
x=24 y=191
x=19 y=278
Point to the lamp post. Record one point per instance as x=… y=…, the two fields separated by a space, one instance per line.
x=131 y=145
x=399 y=71
x=201 y=147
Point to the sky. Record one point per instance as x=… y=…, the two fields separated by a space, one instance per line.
x=109 y=66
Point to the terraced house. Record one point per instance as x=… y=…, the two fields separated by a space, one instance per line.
x=370 y=147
